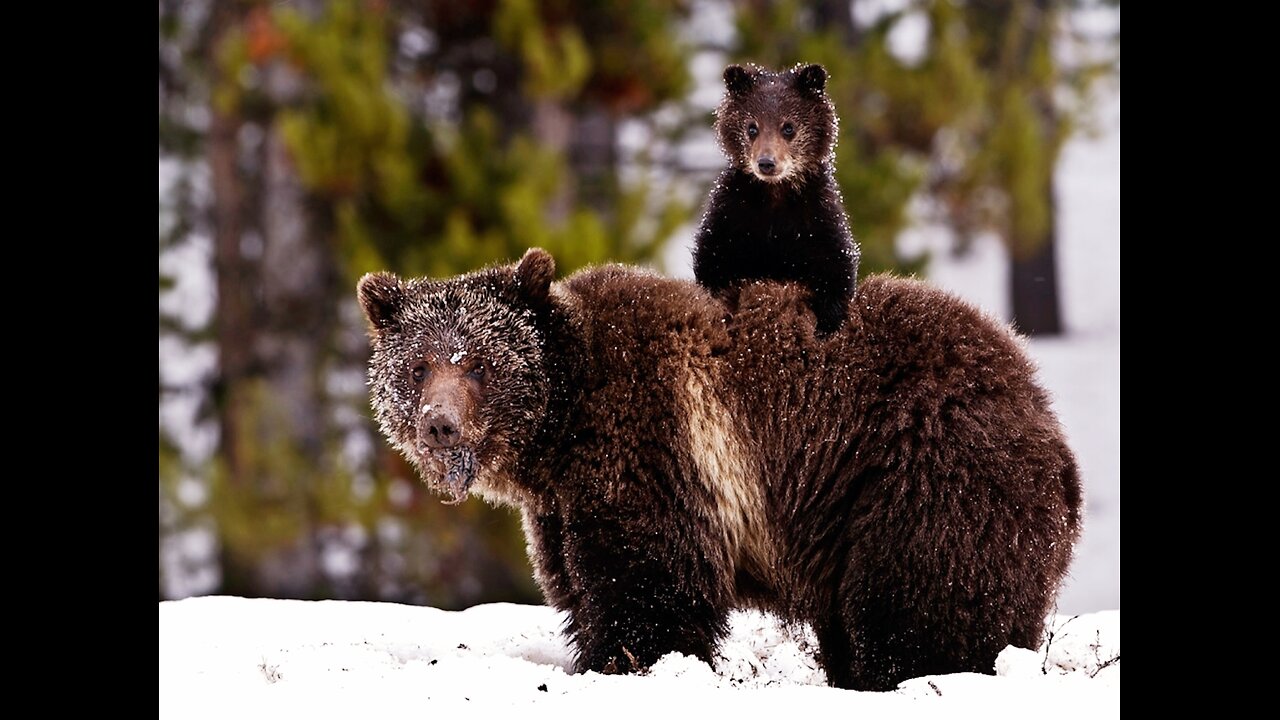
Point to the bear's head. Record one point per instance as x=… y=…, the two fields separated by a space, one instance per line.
x=777 y=126
x=457 y=377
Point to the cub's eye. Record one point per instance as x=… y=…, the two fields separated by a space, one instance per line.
x=477 y=372
x=752 y=131
x=788 y=130
x=419 y=373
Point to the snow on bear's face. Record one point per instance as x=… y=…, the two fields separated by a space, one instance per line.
x=456 y=378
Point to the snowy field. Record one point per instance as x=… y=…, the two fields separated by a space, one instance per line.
x=234 y=658
x=224 y=657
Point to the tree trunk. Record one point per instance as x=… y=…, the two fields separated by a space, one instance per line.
x=234 y=327
x=1033 y=272
x=593 y=157
x=1033 y=277
x=299 y=292
x=554 y=128
x=838 y=14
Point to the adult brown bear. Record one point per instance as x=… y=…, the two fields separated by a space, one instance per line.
x=901 y=484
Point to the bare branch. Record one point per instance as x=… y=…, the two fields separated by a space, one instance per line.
x=1044 y=666
x=1104 y=665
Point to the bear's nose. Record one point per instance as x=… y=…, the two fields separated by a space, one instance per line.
x=766 y=165
x=440 y=430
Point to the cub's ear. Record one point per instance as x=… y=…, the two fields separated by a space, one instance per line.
x=381 y=295
x=811 y=78
x=738 y=80
x=534 y=275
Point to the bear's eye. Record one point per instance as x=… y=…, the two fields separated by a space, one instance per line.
x=788 y=130
x=419 y=373
x=477 y=372
x=752 y=131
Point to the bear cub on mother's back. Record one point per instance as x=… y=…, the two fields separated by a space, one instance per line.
x=775 y=213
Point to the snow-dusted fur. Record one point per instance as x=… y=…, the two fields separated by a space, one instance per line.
x=900 y=484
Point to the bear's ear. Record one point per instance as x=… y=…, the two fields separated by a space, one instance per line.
x=738 y=80
x=811 y=78
x=381 y=295
x=534 y=275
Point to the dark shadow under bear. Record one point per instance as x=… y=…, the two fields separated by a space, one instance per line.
x=903 y=485
x=776 y=213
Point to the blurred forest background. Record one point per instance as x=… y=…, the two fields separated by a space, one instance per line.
x=304 y=143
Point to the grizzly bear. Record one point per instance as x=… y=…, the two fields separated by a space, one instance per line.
x=901 y=485
x=775 y=212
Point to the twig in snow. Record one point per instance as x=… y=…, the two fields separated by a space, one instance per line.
x=272 y=672
x=1044 y=666
x=1104 y=665
x=1096 y=645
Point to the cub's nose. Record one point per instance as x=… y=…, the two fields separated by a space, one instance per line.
x=440 y=430
x=767 y=165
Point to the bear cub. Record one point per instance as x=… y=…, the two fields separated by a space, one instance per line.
x=776 y=213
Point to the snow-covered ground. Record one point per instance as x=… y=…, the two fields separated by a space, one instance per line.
x=224 y=657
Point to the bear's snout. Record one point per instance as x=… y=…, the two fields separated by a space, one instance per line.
x=440 y=429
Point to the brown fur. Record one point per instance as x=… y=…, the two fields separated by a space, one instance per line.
x=902 y=485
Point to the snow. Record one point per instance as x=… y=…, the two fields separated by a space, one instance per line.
x=235 y=657
x=457 y=356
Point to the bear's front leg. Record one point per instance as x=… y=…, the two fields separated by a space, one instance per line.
x=545 y=534
x=832 y=293
x=643 y=587
x=830 y=313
